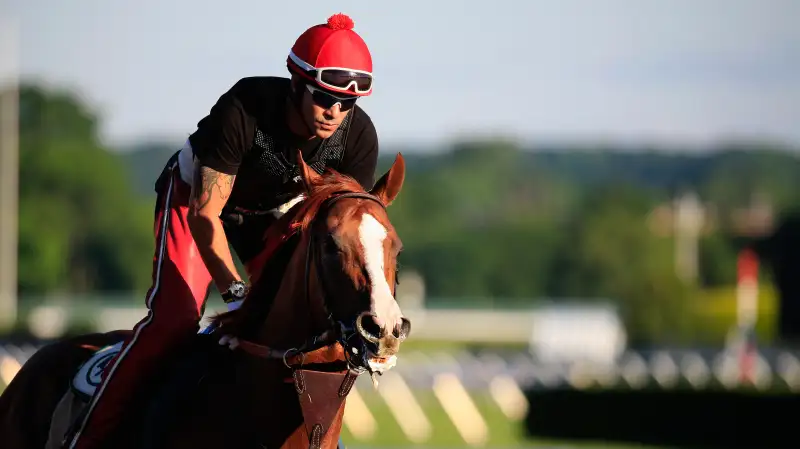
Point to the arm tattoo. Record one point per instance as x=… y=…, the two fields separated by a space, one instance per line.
x=205 y=181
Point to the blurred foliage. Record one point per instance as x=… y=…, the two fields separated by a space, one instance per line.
x=480 y=219
x=81 y=227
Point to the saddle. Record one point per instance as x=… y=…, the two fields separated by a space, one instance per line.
x=183 y=370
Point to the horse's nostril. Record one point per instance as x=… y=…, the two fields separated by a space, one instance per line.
x=371 y=326
x=368 y=328
x=402 y=330
x=405 y=329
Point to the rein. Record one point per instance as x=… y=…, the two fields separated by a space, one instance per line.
x=319 y=348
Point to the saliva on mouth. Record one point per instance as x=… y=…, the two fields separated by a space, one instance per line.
x=378 y=365
x=375 y=365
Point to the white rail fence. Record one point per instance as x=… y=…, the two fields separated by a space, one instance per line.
x=455 y=379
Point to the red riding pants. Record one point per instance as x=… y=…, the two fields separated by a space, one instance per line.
x=174 y=302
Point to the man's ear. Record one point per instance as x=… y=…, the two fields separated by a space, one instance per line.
x=308 y=176
x=390 y=183
x=297 y=84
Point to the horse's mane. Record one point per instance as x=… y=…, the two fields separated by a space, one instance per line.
x=297 y=219
x=324 y=187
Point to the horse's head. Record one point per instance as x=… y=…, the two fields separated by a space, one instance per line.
x=355 y=255
x=338 y=282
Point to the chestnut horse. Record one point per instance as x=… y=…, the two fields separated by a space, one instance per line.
x=274 y=373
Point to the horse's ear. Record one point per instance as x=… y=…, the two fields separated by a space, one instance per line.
x=308 y=176
x=390 y=183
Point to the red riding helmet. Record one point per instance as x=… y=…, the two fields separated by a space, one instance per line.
x=333 y=56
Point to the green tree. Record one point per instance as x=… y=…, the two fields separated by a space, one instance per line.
x=478 y=223
x=609 y=253
x=740 y=174
x=717 y=260
x=81 y=228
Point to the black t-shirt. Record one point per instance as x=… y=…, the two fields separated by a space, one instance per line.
x=224 y=141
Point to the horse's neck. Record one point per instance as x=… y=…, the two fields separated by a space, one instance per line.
x=294 y=315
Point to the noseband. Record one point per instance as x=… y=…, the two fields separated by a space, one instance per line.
x=347 y=334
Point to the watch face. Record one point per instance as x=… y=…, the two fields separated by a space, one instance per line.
x=237 y=289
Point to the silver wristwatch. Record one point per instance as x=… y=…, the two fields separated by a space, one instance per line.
x=236 y=291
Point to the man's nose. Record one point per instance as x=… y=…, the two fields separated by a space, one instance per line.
x=334 y=110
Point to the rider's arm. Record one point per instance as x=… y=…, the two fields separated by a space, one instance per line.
x=210 y=192
x=361 y=155
x=219 y=144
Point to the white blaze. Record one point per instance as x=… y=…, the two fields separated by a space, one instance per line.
x=372 y=234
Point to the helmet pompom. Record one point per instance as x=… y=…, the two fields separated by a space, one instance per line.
x=340 y=22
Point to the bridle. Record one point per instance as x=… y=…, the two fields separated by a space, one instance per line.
x=349 y=335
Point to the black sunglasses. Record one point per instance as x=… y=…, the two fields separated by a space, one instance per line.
x=327 y=100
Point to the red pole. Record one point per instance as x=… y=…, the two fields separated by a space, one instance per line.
x=747 y=311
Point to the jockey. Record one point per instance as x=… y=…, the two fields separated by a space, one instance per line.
x=232 y=177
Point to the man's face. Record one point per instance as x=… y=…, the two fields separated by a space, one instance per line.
x=323 y=110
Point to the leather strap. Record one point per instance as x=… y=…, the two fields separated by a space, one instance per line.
x=322 y=396
x=291 y=357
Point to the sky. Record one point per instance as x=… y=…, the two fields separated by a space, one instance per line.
x=684 y=71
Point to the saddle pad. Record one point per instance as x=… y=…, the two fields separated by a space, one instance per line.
x=89 y=375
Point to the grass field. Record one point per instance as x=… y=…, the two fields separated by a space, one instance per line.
x=715 y=313
x=503 y=433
